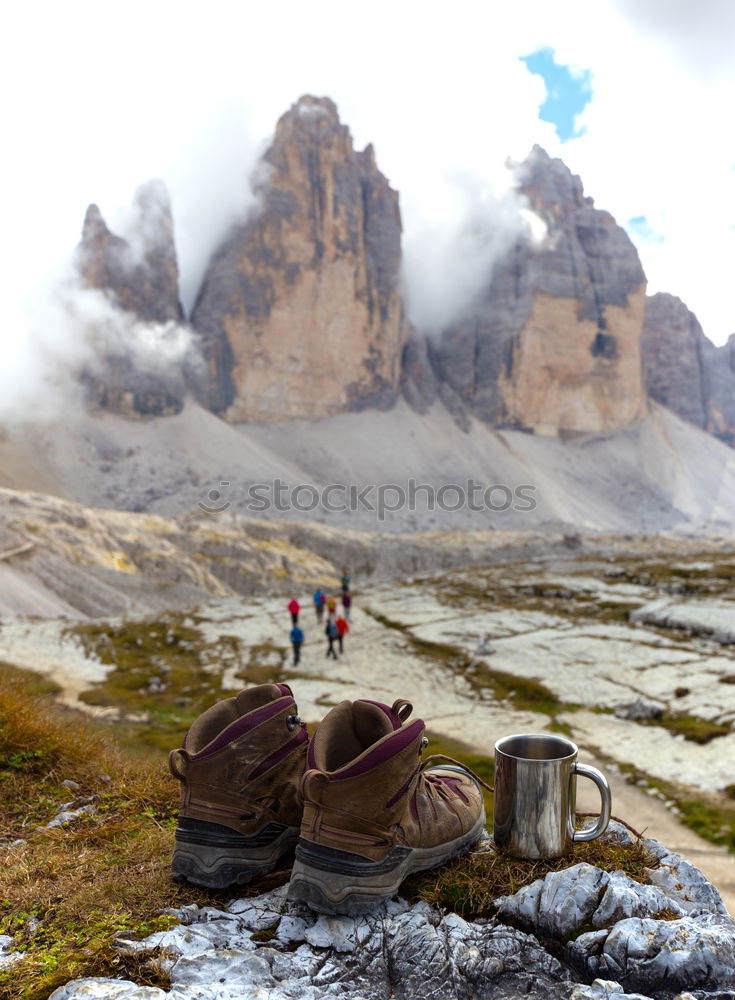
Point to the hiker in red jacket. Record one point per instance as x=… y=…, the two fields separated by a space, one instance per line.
x=342 y=629
x=294 y=607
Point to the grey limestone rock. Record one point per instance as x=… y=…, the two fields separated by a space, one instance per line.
x=673 y=358
x=325 y=214
x=644 y=953
x=586 y=258
x=139 y=277
x=640 y=708
x=682 y=882
x=140 y=274
x=710 y=620
x=418 y=381
x=404 y=952
x=561 y=903
x=685 y=371
x=456 y=407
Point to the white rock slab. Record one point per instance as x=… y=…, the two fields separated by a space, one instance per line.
x=656 y=751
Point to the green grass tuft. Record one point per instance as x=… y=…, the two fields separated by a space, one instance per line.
x=470 y=885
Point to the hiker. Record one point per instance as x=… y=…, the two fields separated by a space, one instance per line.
x=331 y=633
x=297 y=641
x=346 y=604
x=331 y=607
x=342 y=629
x=345 y=581
x=319 y=600
x=294 y=607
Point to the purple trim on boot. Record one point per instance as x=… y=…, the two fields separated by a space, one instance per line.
x=393 y=745
x=284 y=689
x=394 y=720
x=401 y=791
x=277 y=756
x=456 y=786
x=243 y=725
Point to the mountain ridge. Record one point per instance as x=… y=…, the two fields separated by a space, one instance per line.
x=300 y=312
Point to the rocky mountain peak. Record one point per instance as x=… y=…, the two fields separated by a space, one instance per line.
x=139 y=277
x=94 y=229
x=308 y=116
x=300 y=311
x=140 y=273
x=728 y=351
x=550 y=186
x=553 y=342
x=586 y=255
x=685 y=371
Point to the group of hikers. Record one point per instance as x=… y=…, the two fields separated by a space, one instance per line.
x=336 y=627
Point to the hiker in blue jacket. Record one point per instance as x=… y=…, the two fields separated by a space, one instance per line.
x=297 y=641
x=319 y=602
x=332 y=635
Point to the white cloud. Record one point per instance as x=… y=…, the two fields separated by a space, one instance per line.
x=700 y=34
x=95 y=104
x=448 y=262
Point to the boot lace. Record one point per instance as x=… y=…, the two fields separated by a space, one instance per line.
x=434 y=784
x=435 y=780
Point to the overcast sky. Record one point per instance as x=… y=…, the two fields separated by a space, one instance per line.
x=636 y=96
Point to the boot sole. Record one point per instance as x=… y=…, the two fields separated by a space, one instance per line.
x=216 y=857
x=332 y=881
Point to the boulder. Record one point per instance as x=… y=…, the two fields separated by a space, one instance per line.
x=640 y=708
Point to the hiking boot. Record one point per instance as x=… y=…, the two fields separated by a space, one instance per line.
x=374 y=812
x=239 y=769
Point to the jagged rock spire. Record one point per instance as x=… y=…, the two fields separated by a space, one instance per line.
x=300 y=311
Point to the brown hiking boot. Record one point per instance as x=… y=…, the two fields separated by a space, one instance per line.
x=239 y=769
x=373 y=812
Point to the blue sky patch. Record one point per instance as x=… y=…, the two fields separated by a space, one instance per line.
x=567 y=93
x=640 y=226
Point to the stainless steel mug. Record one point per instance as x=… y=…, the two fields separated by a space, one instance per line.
x=535 y=796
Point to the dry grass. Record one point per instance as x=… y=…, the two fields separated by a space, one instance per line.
x=66 y=893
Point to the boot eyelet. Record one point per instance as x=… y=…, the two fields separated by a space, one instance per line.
x=292 y=721
x=423 y=745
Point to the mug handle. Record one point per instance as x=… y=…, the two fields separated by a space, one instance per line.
x=600 y=780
